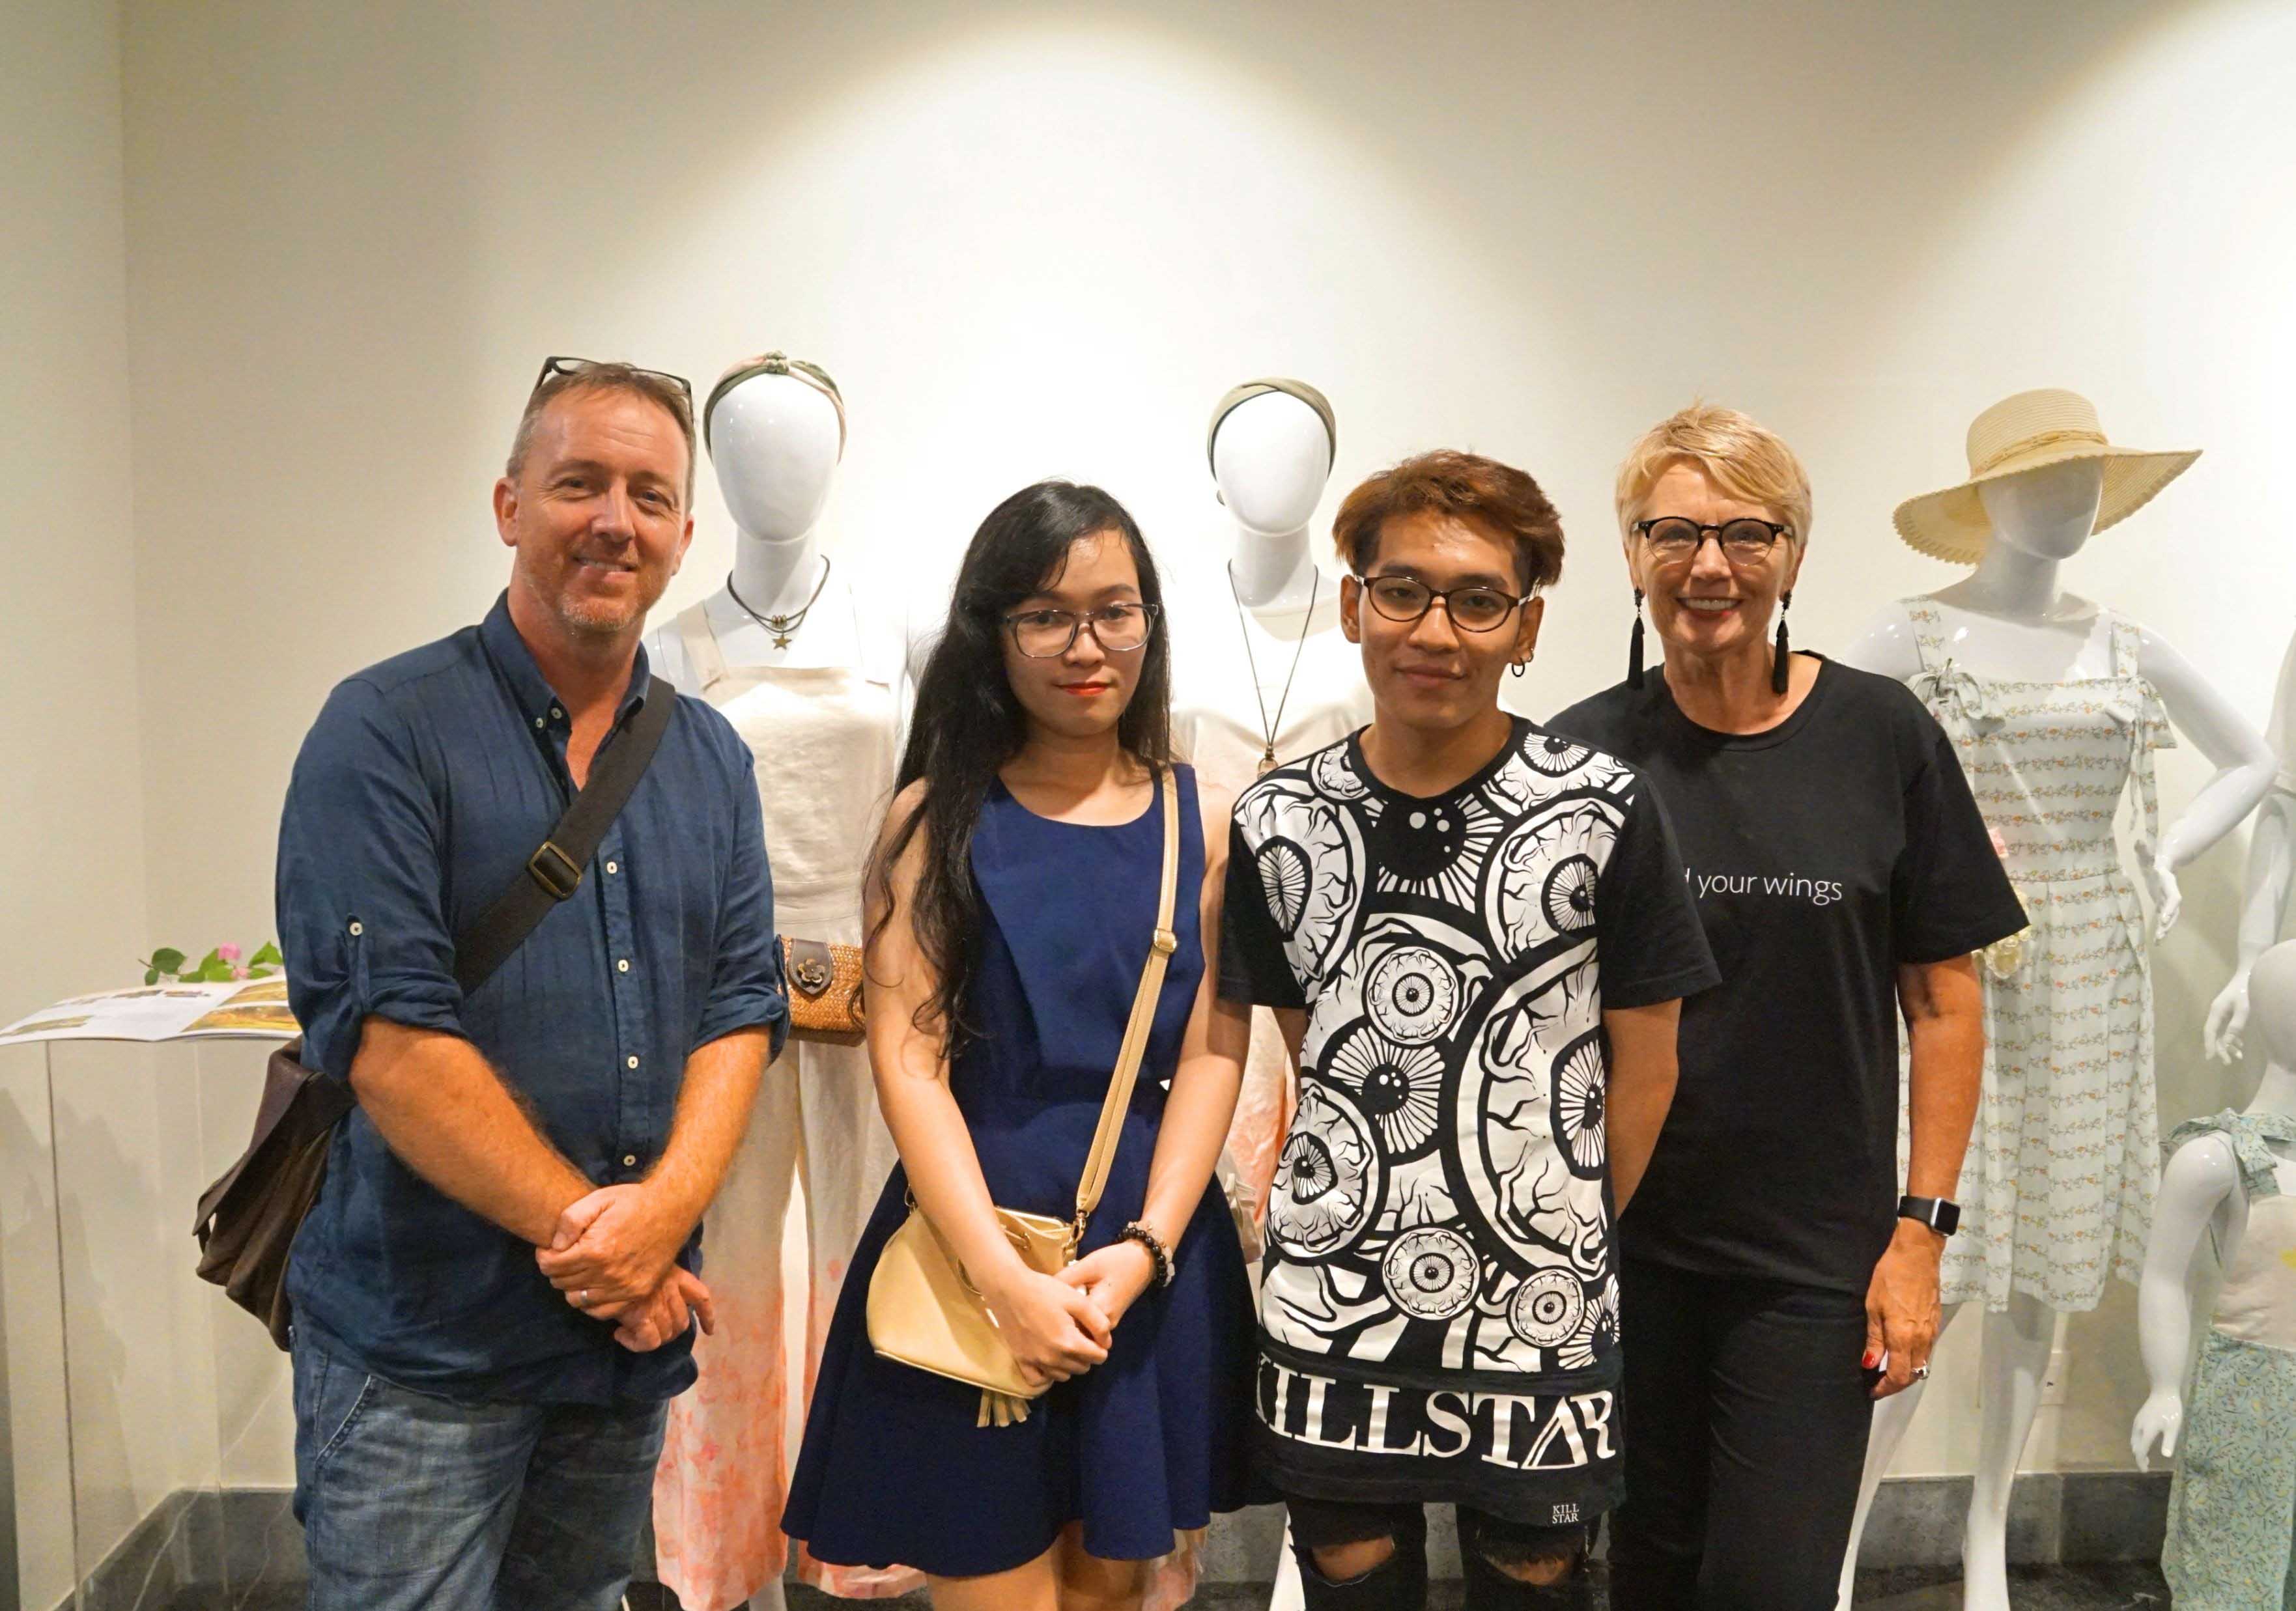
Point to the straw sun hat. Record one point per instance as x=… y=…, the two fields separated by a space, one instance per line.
x=2028 y=431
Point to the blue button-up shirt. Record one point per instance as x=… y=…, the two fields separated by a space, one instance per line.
x=421 y=792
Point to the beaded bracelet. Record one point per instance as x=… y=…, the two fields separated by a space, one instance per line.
x=1138 y=1233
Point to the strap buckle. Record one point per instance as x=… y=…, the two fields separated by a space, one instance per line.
x=1165 y=943
x=554 y=871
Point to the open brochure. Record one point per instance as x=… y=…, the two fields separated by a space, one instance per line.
x=240 y=1010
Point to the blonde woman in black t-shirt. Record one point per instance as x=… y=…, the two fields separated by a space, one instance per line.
x=1777 y=1273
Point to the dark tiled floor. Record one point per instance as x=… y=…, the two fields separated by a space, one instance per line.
x=2099 y=1588
x=2115 y=1588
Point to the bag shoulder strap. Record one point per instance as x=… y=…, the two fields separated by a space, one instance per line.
x=1143 y=1016
x=553 y=872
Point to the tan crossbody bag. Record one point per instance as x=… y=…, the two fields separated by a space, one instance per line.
x=923 y=1310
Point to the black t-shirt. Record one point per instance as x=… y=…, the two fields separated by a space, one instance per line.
x=1439 y=1303
x=1824 y=854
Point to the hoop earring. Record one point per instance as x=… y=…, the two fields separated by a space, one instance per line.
x=1634 y=646
x=1519 y=666
x=1779 y=665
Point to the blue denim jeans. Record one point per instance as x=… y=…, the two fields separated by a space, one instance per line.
x=414 y=1503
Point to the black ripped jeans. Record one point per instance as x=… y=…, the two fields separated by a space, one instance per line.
x=1746 y=1410
x=1487 y=1544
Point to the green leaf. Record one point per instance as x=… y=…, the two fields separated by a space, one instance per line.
x=166 y=958
x=151 y=975
x=266 y=955
x=208 y=965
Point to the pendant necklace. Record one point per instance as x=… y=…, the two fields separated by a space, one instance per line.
x=783 y=627
x=1268 y=729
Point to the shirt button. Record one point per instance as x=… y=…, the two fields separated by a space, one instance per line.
x=358 y=928
x=537 y=722
x=610 y=867
x=629 y=1160
x=633 y=1062
x=624 y=964
x=557 y=714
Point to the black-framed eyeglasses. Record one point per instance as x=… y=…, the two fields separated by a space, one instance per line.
x=1745 y=540
x=1118 y=628
x=1474 y=607
x=562 y=365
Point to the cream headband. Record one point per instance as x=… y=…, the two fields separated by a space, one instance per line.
x=777 y=363
x=1256 y=388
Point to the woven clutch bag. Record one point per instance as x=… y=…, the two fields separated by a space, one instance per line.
x=825 y=991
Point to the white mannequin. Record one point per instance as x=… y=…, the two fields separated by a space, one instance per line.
x=2009 y=619
x=775 y=440
x=1271 y=457
x=2271 y=873
x=2201 y=1191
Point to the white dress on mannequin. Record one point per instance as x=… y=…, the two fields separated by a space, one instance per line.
x=2056 y=1191
x=823 y=737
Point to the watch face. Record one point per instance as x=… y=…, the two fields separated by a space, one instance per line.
x=1938 y=1215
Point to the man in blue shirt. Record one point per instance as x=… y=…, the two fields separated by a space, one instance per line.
x=492 y=1295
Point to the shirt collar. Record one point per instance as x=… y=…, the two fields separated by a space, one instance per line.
x=498 y=635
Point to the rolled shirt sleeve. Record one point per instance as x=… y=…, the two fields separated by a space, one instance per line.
x=359 y=889
x=746 y=988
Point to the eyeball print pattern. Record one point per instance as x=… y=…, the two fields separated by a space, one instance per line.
x=1438 y=1201
x=1394 y=1085
x=1413 y=994
x=1327 y=1178
x=1430 y=1273
x=1310 y=856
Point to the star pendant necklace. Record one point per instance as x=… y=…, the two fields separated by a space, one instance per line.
x=783 y=627
x=1268 y=729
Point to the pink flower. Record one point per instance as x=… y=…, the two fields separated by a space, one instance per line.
x=238 y=972
x=230 y=953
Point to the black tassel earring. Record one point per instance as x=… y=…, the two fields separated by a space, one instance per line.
x=1634 y=646
x=1778 y=666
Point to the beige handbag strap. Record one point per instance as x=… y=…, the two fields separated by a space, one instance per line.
x=1144 y=1017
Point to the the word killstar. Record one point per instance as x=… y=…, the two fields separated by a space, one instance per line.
x=1524 y=1431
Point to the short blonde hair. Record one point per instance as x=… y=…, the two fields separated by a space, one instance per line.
x=1746 y=460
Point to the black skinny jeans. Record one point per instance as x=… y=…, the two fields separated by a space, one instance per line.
x=1745 y=1410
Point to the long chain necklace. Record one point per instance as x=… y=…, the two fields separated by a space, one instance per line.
x=1268 y=729
x=783 y=627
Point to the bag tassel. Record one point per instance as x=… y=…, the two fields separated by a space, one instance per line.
x=1001 y=1410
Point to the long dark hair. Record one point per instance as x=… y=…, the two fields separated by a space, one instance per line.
x=968 y=723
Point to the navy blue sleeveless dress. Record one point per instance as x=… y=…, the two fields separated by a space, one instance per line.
x=893 y=1470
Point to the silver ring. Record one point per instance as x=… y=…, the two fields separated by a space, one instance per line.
x=581 y=1297
x=1921 y=1373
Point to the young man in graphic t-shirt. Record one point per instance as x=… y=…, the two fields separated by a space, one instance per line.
x=1477 y=937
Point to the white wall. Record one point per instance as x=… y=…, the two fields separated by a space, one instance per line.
x=72 y=911
x=71 y=787
x=1030 y=239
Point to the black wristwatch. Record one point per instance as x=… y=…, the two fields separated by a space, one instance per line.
x=1940 y=1215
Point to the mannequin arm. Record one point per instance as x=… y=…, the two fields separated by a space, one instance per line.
x=2271 y=868
x=1886 y=647
x=2246 y=764
x=2196 y=1184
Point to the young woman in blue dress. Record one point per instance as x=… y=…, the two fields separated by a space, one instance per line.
x=1011 y=901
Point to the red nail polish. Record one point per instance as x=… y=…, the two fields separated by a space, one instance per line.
x=1871 y=1359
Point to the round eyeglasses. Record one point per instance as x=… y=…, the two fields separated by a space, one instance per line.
x=1041 y=635
x=1745 y=541
x=1471 y=608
